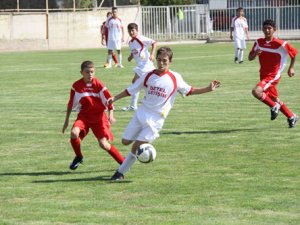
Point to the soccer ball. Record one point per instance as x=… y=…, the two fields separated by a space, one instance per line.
x=146 y=153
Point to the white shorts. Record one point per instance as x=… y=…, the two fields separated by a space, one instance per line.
x=144 y=126
x=112 y=45
x=239 y=43
x=143 y=71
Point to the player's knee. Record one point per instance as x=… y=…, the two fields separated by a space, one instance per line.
x=256 y=93
x=126 y=142
x=104 y=145
x=74 y=134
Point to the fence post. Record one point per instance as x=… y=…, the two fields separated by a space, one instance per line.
x=169 y=23
x=278 y=21
x=18 y=6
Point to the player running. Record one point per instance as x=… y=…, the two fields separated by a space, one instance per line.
x=104 y=38
x=89 y=96
x=161 y=86
x=273 y=54
x=239 y=27
x=138 y=46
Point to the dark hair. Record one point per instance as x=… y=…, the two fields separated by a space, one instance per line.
x=87 y=64
x=108 y=13
x=132 y=26
x=239 y=9
x=270 y=22
x=114 y=8
x=165 y=51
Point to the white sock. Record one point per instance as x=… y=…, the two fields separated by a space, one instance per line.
x=134 y=100
x=241 y=55
x=128 y=162
x=120 y=58
x=109 y=59
x=237 y=52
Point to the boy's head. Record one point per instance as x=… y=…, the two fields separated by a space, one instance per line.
x=269 y=28
x=108 y=14
x=132 y=29
x=240 y=11
x=87 y=71
x=164 y=57
x=114 y=11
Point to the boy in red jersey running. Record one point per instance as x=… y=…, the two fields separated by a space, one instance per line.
x=161 y=86
x=89 y=96
x=273 y=54
x=104 y=38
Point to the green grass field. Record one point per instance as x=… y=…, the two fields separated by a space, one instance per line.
x=220 y=159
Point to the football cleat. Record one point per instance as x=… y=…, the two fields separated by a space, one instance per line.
x=240 y=62
x=117 y=176
x=77 y=160
x=236 y=60
x=105 y=65
x=275 y=111
x=120 y=66
x=128 y=108
x=292 y=121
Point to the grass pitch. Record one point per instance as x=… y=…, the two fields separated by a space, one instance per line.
x=220 y=158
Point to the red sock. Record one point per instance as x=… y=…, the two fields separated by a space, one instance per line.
x=76 y=146
x=115 y=58
x=116 y=154
x=267 y=100
x=285 y=110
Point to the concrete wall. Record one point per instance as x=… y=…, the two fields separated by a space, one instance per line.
x=61 y=30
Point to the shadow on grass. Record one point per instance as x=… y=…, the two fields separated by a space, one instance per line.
x=207 y=131
x=98 y=178
x=47 y=173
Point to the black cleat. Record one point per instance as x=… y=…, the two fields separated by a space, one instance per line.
x=240 y=62
x=236 y=60
x=275 y=111
x=117 y=176
x=77 y=160
x=292 y=121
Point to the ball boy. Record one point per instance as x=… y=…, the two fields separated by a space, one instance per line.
x=138 y=46
x=161 y=86
x=273 y=54
x=88 y=95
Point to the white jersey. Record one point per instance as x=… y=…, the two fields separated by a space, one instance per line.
x=139 y=49
x=114 y=26
x=239 y=25
x=160 y=90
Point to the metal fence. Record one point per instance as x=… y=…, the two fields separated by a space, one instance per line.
x=213 y=20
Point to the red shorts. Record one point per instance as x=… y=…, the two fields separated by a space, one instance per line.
x=100 y=129
x=268 y=84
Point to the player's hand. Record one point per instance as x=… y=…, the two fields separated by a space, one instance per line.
x=291 y=72
x=258 y=52
x=66 y=124
x=110 y=101
x=151 y=57
x=103 y=42
x=231 y=37
x=122 y=40
x=111 y=119
x=130 y=58
x=214 y=85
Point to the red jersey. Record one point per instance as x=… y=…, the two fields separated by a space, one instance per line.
x=273 y=57
x=104 y=30
x=89 y=99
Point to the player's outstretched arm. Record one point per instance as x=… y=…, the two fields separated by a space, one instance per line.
x=211 y=87
x=66 y=123
x=111 y=100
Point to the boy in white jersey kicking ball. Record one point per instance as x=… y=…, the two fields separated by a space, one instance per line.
x=138 y=46
x=239 y=27
x=161 y=86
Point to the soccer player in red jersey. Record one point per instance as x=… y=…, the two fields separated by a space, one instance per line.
x=89 y=96
x=104 y=38
x=273 y=54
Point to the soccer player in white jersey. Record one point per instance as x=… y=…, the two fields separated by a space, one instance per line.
x=239 y=27
x=115 y=37
x=161 y=86
x=138 y=46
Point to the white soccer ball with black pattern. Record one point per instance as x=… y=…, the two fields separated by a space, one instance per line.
x=146 y=153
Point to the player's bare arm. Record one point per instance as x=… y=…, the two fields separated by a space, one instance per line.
x=153 y=49
x=252 y=55
x=211 y=87
x=111 y=117
x=231 y=30
x=103 y=40
x=66 y=123
x=123 y=94
x=130 y=57
x=291 y=70
x=123 y=34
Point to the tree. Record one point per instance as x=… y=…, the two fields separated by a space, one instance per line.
x=164 y=2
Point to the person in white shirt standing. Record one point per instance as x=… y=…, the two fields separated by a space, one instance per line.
x=115 y=37
x=139 y=45
x=239 y=27
x=161 y=86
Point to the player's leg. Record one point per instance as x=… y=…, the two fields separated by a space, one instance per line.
x=292 y=118
x=241 y=52
x=78 y=132
x=237 y=50
x=115 y=58
x=134 y=97
x=109 y=58
x=119 y=56
x=111 y=149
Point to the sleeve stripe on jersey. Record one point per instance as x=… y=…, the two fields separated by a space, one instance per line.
x=147 y=78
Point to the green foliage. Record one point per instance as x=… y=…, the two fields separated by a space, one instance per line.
x=165 y=3
x=220 y=160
